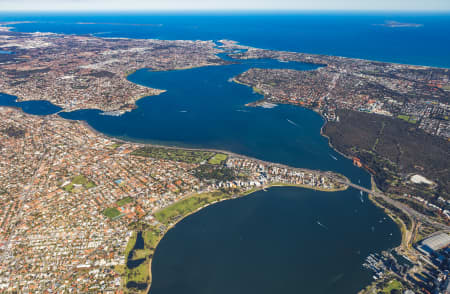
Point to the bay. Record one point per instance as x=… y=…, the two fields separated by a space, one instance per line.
x=35 y=107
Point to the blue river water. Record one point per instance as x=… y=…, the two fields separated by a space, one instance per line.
x=284 y=240
x=31 y=107
x=287 y=240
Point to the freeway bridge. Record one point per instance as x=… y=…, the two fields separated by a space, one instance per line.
x=405 y=208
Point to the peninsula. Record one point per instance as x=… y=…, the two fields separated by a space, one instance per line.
x=82 y=72
x=377 y=113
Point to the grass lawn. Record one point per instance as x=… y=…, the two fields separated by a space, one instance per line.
x=68 y=188
x=141 y=253
x=404 y=117
x=130 y=244
x=111 y=212
x=120 y=269
x=124 y=201
x=189 y=156
x=79 y=180
x=139 y=274
x=114 y=146
x=218 y=158
x=151 y=238
x=186 y=206
x=394 y=284
x=407 y=118
x=256 y=90
x=89 y=185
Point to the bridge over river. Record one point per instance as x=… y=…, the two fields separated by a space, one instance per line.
x=408 y=210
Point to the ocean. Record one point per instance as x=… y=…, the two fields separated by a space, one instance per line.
x=349 y=34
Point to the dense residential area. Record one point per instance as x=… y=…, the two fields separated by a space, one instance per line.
x=71 y=198
x=419 y=95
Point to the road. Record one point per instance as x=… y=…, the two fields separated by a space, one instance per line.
x=408 y=210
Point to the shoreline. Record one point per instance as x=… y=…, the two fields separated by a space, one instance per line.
x=405 y=241
x=235 y=196
x=121 y=111
x=229 y=153
x=325 y=121
x=228 y=197
x=406 y=234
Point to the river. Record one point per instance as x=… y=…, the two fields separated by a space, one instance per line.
x=285 y=240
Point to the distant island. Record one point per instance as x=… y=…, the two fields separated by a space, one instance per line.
x=120 y=24
x=396 y=24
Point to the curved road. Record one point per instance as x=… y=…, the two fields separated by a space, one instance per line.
x=408 y=210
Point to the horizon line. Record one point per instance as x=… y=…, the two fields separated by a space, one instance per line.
x=187 y=11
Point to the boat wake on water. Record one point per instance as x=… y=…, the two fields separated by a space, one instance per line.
x=292 y=123
x=100 y=33
x=322 y=225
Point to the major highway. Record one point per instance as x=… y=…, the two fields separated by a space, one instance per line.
x=408 y=210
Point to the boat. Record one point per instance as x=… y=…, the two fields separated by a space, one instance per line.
x=334 y=157
x=112 y=113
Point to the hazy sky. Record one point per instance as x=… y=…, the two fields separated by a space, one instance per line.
x=139 y=5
